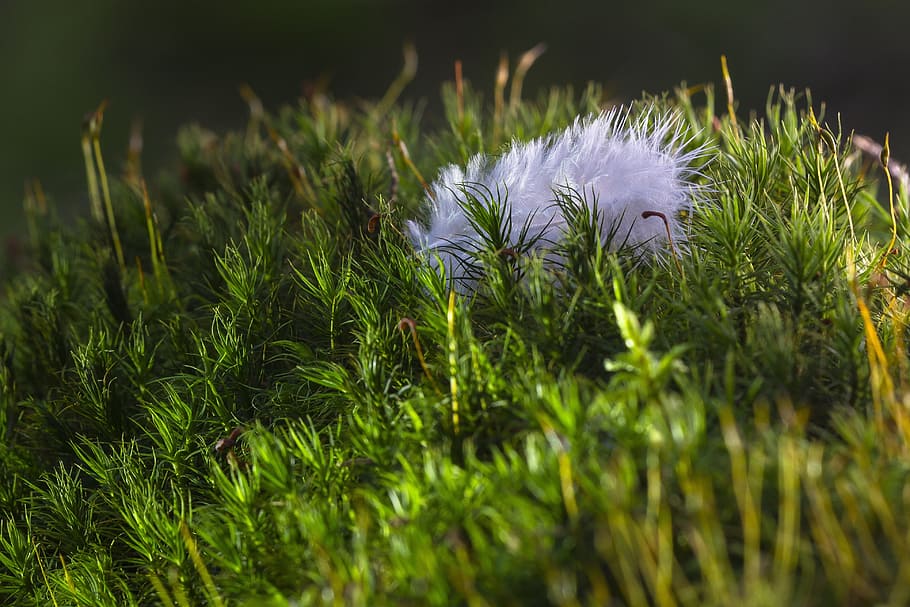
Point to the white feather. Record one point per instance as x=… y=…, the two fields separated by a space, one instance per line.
x=629 y=166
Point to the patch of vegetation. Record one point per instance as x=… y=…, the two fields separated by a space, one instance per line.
x=250 y=390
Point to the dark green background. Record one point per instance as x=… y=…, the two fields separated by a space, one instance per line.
x=171 y=62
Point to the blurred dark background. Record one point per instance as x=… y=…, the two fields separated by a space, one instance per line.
x=170 y=62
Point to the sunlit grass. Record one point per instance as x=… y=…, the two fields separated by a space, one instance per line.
x=243 y=387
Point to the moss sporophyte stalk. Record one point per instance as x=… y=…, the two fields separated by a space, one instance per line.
x=653 y=354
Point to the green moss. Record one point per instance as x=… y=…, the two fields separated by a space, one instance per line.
x=732 y=428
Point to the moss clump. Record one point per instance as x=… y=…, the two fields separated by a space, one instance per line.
x=269 y=399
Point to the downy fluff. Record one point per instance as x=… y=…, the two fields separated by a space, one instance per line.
x=628 y=166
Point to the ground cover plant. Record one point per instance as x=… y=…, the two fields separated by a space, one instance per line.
x=245 y=388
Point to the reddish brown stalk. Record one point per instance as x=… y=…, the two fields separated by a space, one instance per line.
x=524 y=64
x=403 y=150
x=728 y=82
x=648 y=215
x=296 y=171
x=459 y=91
x=410 y=325
x=502 y=77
